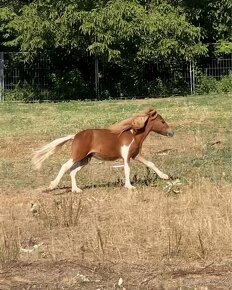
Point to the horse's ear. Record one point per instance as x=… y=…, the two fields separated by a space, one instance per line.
x=153 y=115
x=139 y=122
x=148 y=111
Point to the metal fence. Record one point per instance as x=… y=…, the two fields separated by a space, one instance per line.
x=217 y=67
x=2 y=79
x=16 y=72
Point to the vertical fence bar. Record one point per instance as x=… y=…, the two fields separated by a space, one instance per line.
x=96 y=78
x=1 y=76
x=190 y=77
x=193 y=79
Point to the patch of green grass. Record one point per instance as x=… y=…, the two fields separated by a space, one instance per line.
x=58 y=118
x=196 y=119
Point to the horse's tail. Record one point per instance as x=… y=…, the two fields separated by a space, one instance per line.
x=47 y=150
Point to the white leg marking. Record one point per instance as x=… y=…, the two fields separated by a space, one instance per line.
x=73 y=178
x=124 y=153
x=152 y=166
x=77 y=167
x=66 y=166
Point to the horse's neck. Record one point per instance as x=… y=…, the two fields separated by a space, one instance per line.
x=142 y=135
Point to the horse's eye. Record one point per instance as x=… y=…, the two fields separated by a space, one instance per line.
x=163 y=121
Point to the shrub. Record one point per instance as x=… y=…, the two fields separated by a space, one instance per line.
x=208 y=84
x=24 y=93
x=226 y=83
x=70 y=85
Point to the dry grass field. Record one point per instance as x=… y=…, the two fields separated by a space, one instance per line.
x=173 y=234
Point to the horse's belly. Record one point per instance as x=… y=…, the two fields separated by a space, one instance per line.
x=106 y=157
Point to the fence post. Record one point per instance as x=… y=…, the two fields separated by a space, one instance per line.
x=1 y=76
x=192 y=78
x=96 y=77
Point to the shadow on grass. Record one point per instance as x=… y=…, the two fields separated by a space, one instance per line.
x=149 y=180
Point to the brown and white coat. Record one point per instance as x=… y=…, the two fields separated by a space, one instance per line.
x=122 y=140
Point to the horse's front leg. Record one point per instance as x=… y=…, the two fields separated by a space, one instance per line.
x=152 y=166
x=126 y=159
x=127 y=175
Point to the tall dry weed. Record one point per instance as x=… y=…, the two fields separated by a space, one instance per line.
x=64 y=212
x=142 y=226
x=9 y=247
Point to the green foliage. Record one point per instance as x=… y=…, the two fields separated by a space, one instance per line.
x=175 y=86
x=6 y=15
x=208 y=84
x=70 y=85
x=214 y=17
x=107 y=31
x=32 y=29
x=125 y=35
x=223 y=47
x=226 y=83
x=23 y=93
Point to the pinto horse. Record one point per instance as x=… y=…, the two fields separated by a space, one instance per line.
x=121 y=140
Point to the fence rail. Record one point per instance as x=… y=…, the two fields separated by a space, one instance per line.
x=37 y=75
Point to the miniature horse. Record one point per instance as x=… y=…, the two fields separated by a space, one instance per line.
x=121 y=140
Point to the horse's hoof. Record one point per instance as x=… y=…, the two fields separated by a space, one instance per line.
x=164 y=176
x=76 y=190
x=52 y=186
x=131 y=187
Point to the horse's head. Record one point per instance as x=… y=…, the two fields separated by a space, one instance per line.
x=158 y=125
x=148 y=119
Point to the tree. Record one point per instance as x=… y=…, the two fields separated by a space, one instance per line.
x=214 y=17
x=125 y=36
x=111 y=30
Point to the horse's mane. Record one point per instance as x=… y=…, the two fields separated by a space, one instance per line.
x=136 y=122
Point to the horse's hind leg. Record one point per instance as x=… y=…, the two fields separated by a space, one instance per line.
x=75 y=168
x=65 y=167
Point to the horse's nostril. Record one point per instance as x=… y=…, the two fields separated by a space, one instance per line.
x=170 y=133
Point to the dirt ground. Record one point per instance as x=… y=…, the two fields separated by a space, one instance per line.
x=75 y=273
x=163 y=235
x=78 y=275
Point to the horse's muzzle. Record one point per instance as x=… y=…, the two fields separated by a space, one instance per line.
x=170 y=133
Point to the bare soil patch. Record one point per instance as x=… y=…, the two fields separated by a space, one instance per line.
x=81 y=275
x=72 y=257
